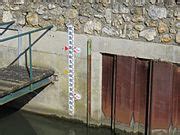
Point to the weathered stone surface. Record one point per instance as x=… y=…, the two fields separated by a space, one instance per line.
x=97 y=26
x=89 y=27
x=138 y=11
x=177 y=13
x=138 y=18
x=44 y=23
x=19 y=18
x=151 y=23
x=133 y=34
x=101 y=9
x=14 y=8
x=46 y=17
x=178 y=37
x=148 y=34
x=115 y=8
x=1 y=7
x=83 y=19
x=126 y=17
x=6 y=7
x=108 y=15
x=32 y=19
x=105 y=2
x=172 y=30
x=19 y=2
x=75 y=4
x=92 y=26
x=166 y=38
x=56 y=11
x=156 y=12
x=123 y=9
x=162 y=28
x=86 y=10
x=170 y=13
x=98 y=16
x=126 y=2
x=51 y=6
x=7 y=16
x=60 y=21
x=41 y=9
x=139 y=27
x=139 y=2
x=71 y=13
x=77 y=25
x=178 y=25
x=172 y=22
x=153 y=1
x=123 y=31
x=130 y=26
x=160 y=1
x=110 y=31
x=117 y=22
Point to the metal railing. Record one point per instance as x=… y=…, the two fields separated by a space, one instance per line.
x=31 y=44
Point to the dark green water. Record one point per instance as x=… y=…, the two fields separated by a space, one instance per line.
x=23 y=123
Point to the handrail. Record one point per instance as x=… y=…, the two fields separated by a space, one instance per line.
x=47 y=28
x=26 y=33
x=13 y=29
x=7 y=24
x=29 y=47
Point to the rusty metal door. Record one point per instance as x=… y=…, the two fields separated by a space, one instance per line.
x=107 y=85
x=145 y=100
x=141 y=95
x=176 y=98
x=124 y=90
x=161 y=98
x=131 y=94
x=127 y=109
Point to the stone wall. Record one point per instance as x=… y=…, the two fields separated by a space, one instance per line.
x=146 y=20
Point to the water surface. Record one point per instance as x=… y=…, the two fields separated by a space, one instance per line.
x=24 y=123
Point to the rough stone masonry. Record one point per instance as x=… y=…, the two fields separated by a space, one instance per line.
x=148 y=20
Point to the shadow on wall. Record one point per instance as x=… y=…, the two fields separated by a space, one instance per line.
x=12 y=123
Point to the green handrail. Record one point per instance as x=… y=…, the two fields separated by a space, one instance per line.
x=26 y=33
x=29 y=33
x=29 y=47
x=7 y=26
x=7 y=23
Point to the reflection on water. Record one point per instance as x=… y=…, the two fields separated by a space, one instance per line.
x=23 y=123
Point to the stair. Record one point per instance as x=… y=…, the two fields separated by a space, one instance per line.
x=15 y=82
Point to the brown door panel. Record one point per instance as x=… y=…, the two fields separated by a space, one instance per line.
x=107 y=83
x=131 y=92
x=176 y=98
x=161 y=95
x=124 y=89
x=141 y=85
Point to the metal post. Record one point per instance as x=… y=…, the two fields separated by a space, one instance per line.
x=19 y=44
x=89 y=48
x=30 y=57
x=26 y=64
